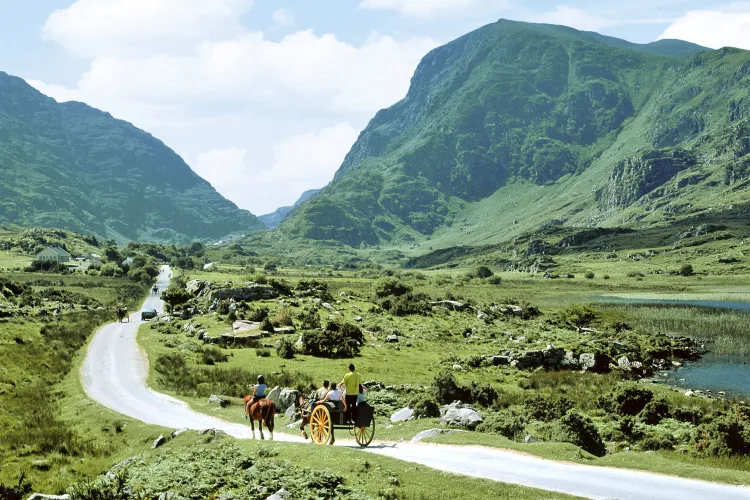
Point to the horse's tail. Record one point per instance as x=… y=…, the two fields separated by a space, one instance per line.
x=270 y=415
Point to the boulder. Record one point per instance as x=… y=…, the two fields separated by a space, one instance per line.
x=198 y=288
x=240 y=326
x=587 y=361
x=391 y=338
x=569 y=360
x=282 y=494
x=451 y=305
x=458 y=367
x=159 y=441
x=374 y=385
x=358 y=319
x=217 y=400
x=402 y=415
x=177 y=432
x=42 y=496
x=274 y=395
x=294 y=424
x=460 y=414
x=201 y=334
x=689 y=394
x=287 y=399
x=249 y=292
x=289 y=413
x=530 y=439
x=530 y=359
x=500 y=360
x=432 y=433
x=284 y=329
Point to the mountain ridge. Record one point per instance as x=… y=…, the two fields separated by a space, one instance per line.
x=515 y=103
x=273 y=219
x=72 y=166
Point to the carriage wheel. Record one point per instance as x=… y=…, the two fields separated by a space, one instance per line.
x=320 y=425
x=364 y=437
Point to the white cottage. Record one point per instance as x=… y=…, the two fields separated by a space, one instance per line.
x=54 y=254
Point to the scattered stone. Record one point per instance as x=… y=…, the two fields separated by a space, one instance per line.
x=722 y=393
x=198 y=288
x=374 y=385
x=358 y=319
x=240 y=326
x=42 y=496
x=159 y=441
x=391 y=338
x=458 y=367
x=481 y=315
x=287 y=399
x=676 y=364
x=587 y=361
x=429 y=433
x=201 y=334
x=177 y=432
x=289 y=413
x=294 y=424
x=402 y=415
x=42 y=465
x=274 y=395
x=530 y=439
x=282 y=494
x=451 y=305
x=217 y=400
x=500 y=360
x=460 y=414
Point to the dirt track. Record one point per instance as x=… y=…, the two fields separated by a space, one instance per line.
x=115 y=372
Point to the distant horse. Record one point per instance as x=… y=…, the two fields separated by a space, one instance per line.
x=263 y=410
x=304 y=408
x=121 y=313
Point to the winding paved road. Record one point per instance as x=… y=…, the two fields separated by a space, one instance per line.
x=115 y=372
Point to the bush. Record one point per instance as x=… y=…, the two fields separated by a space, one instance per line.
x=509 y=423
x=385 y=287
x=590 y=275
x=692 y=416
x=581 y=431
x=447 y=389
x=47 y=266
x=726 y=435
x=257 y=314
x=578 y=316
x=657 y=441
x=266 y=325
x=263 y=353
x=338 y=340
x=213 y=355
x=175 y=296
x=483 y=272
x=283 y=318
x=310 y=319
x=686 y=270
x=626 y=400
x=285 y=349
x=483 y=395
x=654 y=412
x=406 y=304
x=17 y=491
x=494 y=280
x=547 y=409
x=424 y=406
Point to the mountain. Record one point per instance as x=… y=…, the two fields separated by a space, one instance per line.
x=516 y=125
x=274 y=218
x=70 y=166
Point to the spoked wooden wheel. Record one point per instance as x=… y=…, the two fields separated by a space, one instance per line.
x=364 y=436
x=320 y=425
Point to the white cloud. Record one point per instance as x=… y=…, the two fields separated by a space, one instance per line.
x=713 y=29
x=426 y=9
x=300 y=162
x=93 y=27
x=575 y=18
x=283 y=17
x=60 y=93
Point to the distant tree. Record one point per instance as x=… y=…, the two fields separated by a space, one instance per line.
x=175 y=296
x=270 y=267
x=484 y=272
x=686 y=270
x=112 y=254
x=391 y=286
x=197 y=249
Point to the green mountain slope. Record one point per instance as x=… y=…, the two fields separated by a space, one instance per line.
x=74 y=167
x=274 y=218
x=610 y=130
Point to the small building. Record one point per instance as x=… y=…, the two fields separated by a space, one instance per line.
x=54 y=254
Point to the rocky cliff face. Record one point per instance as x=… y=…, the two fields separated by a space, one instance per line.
x=72 y=166
x=518 y=103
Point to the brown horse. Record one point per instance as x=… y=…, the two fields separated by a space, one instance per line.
x=263 y=410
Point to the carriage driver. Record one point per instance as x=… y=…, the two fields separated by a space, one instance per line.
x=352 y=381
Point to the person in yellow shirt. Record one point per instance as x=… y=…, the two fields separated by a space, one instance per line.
x=351 y=382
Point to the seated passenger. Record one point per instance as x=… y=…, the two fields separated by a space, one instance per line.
x=321 y=393
x=362 y=394
x=334 y=395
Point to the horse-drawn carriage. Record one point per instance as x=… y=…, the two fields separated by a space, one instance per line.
x=325 y=417
x=121 y=314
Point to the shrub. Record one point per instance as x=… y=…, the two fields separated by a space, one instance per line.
x=483 y=272
x=590 y=275
x=212 y=355
x=266 y=325
x=606 y=276
x=406 y=304
x=494 y=280
x=285 y=349
x=581 y=431
x=578 y=315
x=686 y=270
x=175 y=296
x=263 y=353
x=424 y=406
x=283 y=318
x=658 y=441
x=626 y=400
x=258 y=314
x=509 y=423
x=483 y=395
x=547 y=409
x=725 y=435
x=47 y=266
x=692 y=416
x=338 y=340
x=17 y=491
x=270 y=267
x=654 y=412
x=385 y=287
x=447 y=389
x=310 y=319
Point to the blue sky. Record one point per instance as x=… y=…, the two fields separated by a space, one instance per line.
x=264 y=97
